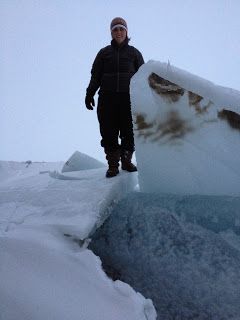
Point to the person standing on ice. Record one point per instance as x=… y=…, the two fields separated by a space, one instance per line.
x=111 y=72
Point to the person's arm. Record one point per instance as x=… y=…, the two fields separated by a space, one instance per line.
x=96 y=73
x=94 y=83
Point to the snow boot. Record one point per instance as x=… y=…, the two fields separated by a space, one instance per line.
x=126 y=159
x=113 y=158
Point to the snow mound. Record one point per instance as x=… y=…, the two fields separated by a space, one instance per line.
x=80 y=161
x=46 y=276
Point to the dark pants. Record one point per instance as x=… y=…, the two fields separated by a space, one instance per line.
x=115 y=120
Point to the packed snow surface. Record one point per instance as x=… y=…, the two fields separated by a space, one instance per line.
x=73 y=202
x=187 y=132
x=46 y=270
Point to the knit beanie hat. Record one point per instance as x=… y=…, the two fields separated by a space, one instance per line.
x=118 y=22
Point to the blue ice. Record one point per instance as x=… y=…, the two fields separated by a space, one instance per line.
x=183 y=252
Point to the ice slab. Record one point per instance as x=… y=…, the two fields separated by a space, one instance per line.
x=186 y=132
x=80 y=161
x=74 y=202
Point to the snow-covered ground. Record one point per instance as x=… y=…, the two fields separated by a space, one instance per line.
x=46 y=271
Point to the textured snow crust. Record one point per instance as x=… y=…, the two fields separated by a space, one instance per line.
x=180 y=251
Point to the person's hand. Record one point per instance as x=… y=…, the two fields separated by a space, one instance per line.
x=89 y=102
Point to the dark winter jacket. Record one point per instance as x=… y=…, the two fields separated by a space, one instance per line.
x=113 y=68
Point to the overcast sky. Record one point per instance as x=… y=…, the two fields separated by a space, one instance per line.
x=47 y=48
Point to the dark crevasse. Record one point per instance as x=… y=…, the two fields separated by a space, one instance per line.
x=183 y=252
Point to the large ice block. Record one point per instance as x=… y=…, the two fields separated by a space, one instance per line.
x=187 y=132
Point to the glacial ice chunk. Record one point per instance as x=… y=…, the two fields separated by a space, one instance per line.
x=187 y=132
x=80 y=161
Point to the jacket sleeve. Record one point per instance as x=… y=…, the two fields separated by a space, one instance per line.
x=96 y=74
x=138 y=60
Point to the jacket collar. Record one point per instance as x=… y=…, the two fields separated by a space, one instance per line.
x=116 y=45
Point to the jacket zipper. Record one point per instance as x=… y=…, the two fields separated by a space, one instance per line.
x=118 y=71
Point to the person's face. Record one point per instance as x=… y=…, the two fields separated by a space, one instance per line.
x=119 y=34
